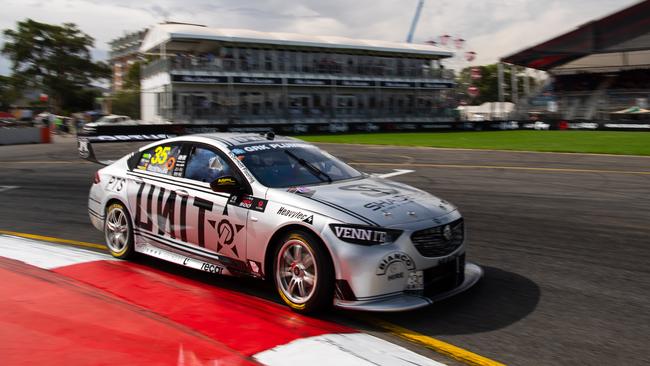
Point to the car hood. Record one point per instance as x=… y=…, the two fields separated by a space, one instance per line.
x=376 y=201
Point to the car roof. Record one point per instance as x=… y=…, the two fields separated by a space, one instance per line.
x=231 y=139
x=227 y=140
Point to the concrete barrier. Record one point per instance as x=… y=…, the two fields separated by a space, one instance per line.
x=24 y=135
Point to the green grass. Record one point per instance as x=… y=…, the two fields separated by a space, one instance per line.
x=602 y=142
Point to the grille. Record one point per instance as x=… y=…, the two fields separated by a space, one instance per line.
x=432 y=242
x=444 y=277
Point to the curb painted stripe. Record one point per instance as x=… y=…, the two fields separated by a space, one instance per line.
x=45 y=255
x=564 y=170
x=53 y=239
x=323 y=341
x=441 y=347
x=49 y=319
x=356 y=349
x=241 y=322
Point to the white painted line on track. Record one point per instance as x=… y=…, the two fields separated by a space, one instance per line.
x=6 y=188
x=395 y=173
x=355 y=349
x=44 y=255
x=382 y=146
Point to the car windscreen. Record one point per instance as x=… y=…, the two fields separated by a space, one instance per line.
x=280 y=165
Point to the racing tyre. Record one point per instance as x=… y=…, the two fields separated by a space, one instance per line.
x=303 y=273
x=118 y=231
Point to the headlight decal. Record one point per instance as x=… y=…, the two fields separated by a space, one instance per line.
x=364 y=235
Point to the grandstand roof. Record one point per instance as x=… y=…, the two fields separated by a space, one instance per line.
x=166 y=32
x=619 y=40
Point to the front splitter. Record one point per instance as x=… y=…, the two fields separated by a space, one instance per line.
x=405 y=301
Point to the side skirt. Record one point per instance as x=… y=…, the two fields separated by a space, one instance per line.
x=177 y=258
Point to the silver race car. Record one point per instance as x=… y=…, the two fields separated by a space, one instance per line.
x=284 y=210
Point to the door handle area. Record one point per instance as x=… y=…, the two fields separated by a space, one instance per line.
x=181 y=193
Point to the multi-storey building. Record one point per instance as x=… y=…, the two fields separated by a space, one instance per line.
x=124 y=52
x=206 y=75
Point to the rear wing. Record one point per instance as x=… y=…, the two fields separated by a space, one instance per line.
x=86 y=151
x=93 y=134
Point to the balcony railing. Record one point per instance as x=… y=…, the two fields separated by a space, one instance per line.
x=313 y=116
x=216 y=64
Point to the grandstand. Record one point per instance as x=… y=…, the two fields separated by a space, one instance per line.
x=202 y=75
x=597 y=69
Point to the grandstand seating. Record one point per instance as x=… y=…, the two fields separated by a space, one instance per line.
x=596 y=95
x=598 y=68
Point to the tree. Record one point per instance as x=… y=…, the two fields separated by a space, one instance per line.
x=127 y=101
x=132 y=78
x=488 y=84
x=9 y=92
x=54 y=58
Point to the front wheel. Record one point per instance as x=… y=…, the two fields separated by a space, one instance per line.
x=303 y=273
x=118 y=231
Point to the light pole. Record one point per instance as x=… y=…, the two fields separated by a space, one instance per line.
x=414 y=22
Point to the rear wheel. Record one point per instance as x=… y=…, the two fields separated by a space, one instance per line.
x=118 y=231
x=303 y=273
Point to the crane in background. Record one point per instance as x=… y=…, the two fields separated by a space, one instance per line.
x=414 y=23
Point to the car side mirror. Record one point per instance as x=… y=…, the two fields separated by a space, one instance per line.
x=227 y=184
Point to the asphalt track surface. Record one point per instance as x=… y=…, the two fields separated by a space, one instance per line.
x=564 y=240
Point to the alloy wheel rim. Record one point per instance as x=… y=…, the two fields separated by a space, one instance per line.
x=117 y=230
x=297 y=272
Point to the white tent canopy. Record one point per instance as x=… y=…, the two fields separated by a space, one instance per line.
x=486 y=111
x=163 y=33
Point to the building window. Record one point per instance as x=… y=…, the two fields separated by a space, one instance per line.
x=254 y=60
x=305 y=61
x=244 y=59
x=345 y=105
x=158 y=102
x=268 y=59
x=298 y=105
x=243 y=103
x=293 y=62
x=283 y=61
x=228 y=58
x=350 y=65
x=255 y=99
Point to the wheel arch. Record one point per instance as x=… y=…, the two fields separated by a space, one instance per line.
x=112 y=200
x=274 y=241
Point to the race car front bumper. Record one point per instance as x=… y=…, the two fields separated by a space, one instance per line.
x=409 y=301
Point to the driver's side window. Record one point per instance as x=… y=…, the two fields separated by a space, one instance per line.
x=206 y=165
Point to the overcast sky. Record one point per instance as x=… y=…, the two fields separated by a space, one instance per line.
x=492 y=28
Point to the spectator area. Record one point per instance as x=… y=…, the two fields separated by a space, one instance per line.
x=598 y=68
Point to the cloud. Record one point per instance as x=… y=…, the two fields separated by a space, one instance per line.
x=492 y=28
